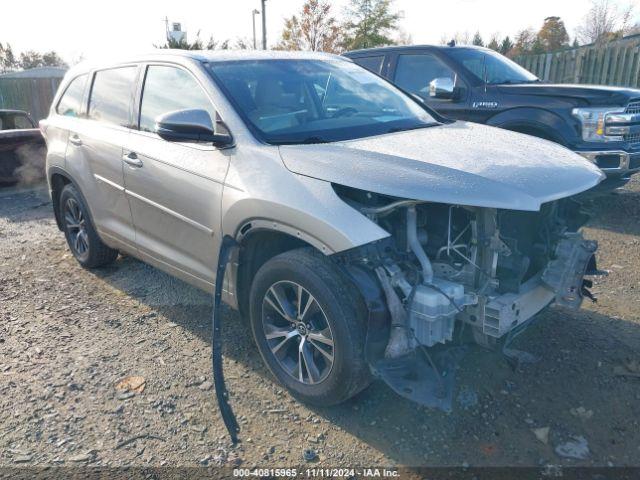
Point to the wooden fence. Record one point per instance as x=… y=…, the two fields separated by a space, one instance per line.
x=614 y=63
x=33 y=95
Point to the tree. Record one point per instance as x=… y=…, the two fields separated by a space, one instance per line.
x=183 y=44
x=525 y=40
x=370 y=23
x=494 y=43
x=32 y=59
x=604 y=22
x=314 y=29
x=506 y=46
x=7 y=59
x=52 y=59
x=212 y=44
x=477 y=40
x=553 y=34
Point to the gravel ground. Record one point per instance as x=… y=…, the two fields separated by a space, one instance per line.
x=68 y=336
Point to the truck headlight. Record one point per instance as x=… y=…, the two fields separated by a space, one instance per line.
x=593 y=123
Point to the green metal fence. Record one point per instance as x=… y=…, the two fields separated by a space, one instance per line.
x=31 y=91
x=614 y=63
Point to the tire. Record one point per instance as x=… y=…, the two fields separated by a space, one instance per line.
x=81 y=235
x=332 y=310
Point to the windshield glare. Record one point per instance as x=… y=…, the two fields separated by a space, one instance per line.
x=314 y=101
x=492 y=68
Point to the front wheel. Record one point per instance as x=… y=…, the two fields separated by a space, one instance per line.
x=308 y=323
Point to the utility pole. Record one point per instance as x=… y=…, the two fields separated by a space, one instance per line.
x=253 y=17
x=264 y=25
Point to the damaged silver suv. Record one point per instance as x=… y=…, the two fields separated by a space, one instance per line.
x=366 y=234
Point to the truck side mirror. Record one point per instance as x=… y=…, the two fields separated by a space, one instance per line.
x=442 y=87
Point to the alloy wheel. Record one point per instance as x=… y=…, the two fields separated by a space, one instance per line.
x=76 y=228
x=298 y=332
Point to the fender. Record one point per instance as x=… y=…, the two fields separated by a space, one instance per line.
x=327 y=222
x=551 y=125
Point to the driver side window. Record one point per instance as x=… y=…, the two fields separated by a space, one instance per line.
x=167 y=89
x=415 y=72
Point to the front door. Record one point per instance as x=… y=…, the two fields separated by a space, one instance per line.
x=414 y=72
x=175 y=188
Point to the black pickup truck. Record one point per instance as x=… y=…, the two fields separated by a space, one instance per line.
x=21 y=149
x=479 y=85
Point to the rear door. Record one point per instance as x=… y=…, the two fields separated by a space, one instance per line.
x=175 y=188
x=94 y=153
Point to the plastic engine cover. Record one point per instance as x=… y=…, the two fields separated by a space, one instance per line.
x=432 y=315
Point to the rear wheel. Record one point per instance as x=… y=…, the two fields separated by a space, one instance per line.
x=308 y=322
x=80 y=233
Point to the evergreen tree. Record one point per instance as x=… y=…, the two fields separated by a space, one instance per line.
x=477 y=40
x=506 y=46
x=493 y=44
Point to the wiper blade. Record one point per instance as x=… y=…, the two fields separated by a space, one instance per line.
x=304 y=141
x=311 y=140
x=405 y=129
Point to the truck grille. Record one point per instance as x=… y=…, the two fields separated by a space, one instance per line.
x=633 y=107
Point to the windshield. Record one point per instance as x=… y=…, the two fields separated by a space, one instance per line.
x=314 y=101
x=490 y=67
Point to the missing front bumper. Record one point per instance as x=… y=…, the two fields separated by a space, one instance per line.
x=562 y=282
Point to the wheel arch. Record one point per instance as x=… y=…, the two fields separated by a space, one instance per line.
x=257 y=245
x=533 y=121
x=58 y=179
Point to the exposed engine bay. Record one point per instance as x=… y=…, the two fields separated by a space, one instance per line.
x=485 y=270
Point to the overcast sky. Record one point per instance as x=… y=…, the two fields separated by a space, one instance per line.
x=90 y=29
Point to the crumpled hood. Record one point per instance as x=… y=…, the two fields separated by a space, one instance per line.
x=459 y=163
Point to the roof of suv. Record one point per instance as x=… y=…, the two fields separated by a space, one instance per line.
x=394 y=48
x=222 y=55
x=202 y=56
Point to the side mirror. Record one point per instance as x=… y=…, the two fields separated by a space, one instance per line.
x=442 y=87
x=191 y=125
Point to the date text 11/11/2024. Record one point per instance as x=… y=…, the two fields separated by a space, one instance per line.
x=316 y=472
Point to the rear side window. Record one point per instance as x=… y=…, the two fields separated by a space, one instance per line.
x=167 y=89
x=111 y=95
x=415 y=72
x=70 y=103
x=373 y=64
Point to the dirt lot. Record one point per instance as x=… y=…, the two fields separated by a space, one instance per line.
x=68 y=336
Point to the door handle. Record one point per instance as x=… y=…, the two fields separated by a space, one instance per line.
x=132 y=160
x=75 y=139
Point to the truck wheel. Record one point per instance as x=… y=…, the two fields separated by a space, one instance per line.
x=309 y=324
x=81 y=235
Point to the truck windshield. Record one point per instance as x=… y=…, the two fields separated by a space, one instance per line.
x=490 y=67
x=289 y=101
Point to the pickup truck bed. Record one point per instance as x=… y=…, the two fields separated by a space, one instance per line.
x=21 y=154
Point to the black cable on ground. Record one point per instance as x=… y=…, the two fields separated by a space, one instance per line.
x=222 y=395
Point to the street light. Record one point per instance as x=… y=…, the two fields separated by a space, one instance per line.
x=264 y=25
x=253 y=17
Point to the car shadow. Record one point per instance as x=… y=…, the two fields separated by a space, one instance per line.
x=497 y=407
